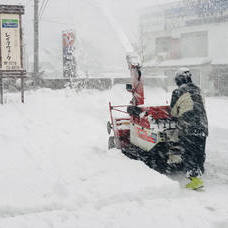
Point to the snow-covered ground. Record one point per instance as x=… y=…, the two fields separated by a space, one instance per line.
x=56 y=171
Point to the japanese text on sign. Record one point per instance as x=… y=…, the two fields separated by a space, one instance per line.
x=10 y=43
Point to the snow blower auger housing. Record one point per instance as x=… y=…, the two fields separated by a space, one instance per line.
x=146 y=133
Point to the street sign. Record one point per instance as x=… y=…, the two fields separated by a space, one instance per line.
x=11 y=50
x=11 y=56
x=69 y=61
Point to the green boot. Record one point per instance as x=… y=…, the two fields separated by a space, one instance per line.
x=195 y=183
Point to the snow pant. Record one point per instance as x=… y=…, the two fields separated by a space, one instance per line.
x=193 y=154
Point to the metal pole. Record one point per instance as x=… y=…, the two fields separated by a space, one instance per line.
x=36 y=39
x=22 y=90
x=1 y=89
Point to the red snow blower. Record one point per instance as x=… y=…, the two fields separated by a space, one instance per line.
x=146 y=133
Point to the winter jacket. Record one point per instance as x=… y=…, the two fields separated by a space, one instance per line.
x=188 y=107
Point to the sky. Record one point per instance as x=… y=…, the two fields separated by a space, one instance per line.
x=99 y=47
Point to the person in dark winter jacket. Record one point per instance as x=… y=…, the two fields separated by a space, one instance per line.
x=187 y=106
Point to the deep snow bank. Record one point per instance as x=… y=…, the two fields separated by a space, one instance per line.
x=55 y=147
x=56 y=171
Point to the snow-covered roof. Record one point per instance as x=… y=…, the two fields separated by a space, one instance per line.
x=179 y=62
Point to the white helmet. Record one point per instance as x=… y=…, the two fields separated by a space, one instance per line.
x=183 y=76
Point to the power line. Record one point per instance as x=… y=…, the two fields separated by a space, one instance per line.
x=44 y=7
x=41 y=8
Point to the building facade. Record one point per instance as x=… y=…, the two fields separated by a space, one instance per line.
x=188 y=33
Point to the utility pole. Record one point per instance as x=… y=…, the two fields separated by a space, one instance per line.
x=36 y=39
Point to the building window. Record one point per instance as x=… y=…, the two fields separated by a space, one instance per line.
x=194 y=44
x=168 y=47
x=162 y=45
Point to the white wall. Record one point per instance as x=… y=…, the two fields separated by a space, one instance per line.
x=218 y=41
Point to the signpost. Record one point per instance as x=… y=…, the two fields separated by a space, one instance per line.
x=11 y=50
x=69 y=61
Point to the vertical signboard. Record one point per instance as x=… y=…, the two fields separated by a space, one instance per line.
x=10 y=47
x=69 y=61
x=11 y=55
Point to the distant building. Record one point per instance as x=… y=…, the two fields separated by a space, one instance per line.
x=188 y=33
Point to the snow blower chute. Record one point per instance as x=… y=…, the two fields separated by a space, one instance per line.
x=146 y=133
